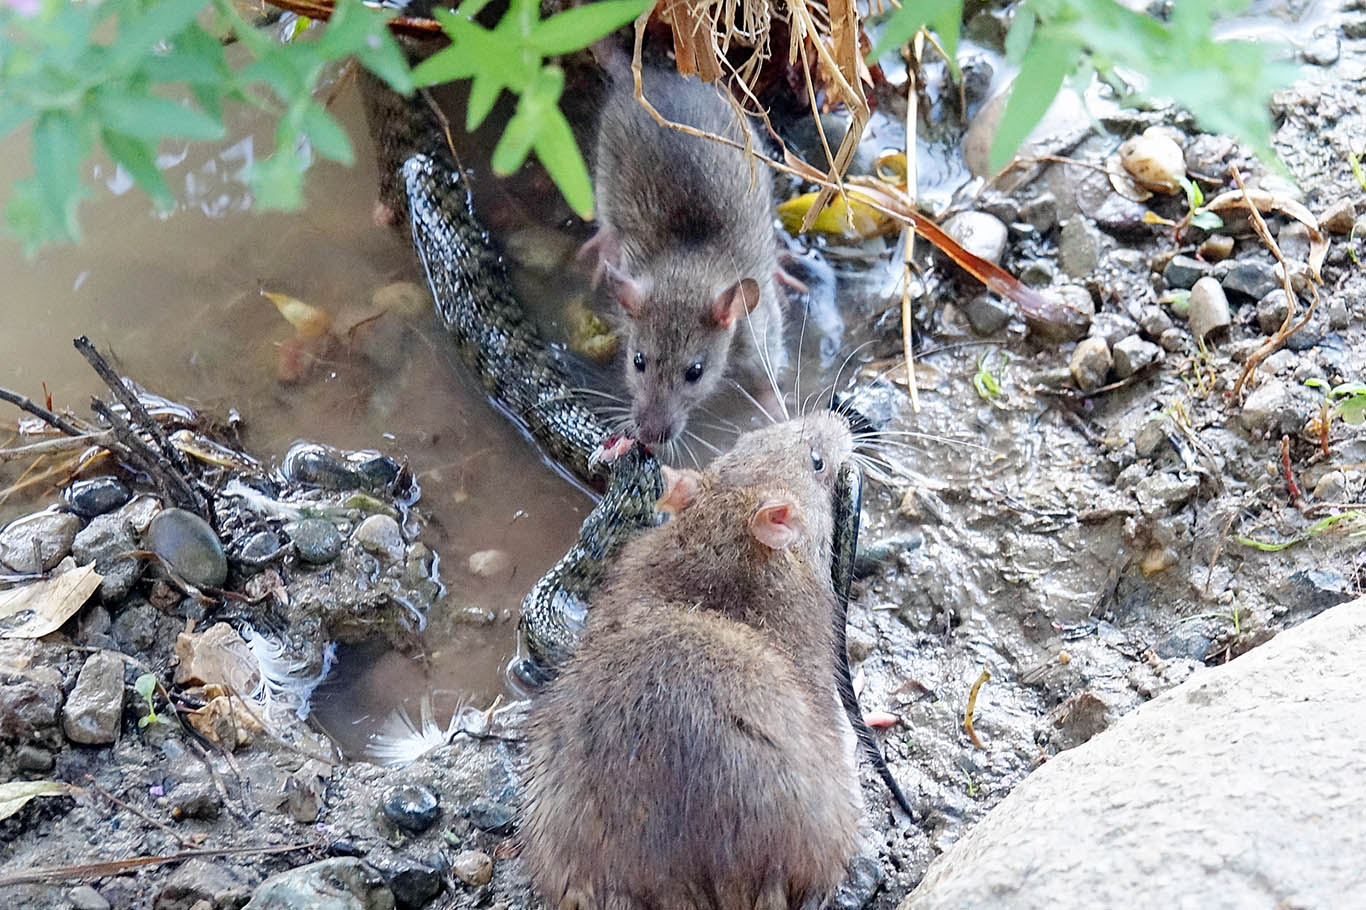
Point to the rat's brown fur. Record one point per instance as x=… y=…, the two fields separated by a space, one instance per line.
x=693 y=753
x=687 y=219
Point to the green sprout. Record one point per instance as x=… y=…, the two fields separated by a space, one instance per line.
x=1195 y=198
x=146 y=686
x=987 y=385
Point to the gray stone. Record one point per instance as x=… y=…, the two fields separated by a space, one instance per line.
x=489 y=563
x=1206 y=154
x=1038 y=273
x=107 y=541
x=1090 y=363
x=1339 y=217
x=1133 y=354
x=135 y=627
x=96 y=496
x=1041 y=211
x=1226 y=791
x=473 y=867
x=1172 y=340
x=29 y=704
x=1251 y=278
x=1308 y=336
x=413 y=884
x=1331 y=487
x=189 y=546
x=1153 y=320
x=987 y=313
x=1078 y=248
x=84 y=897
x=1078 y=303
x=1339 y=317
x=1272 y=310
x=29 y=757
x=1208 y=310
x=1293 y=239
x=195 y=799
x=54 y=532
x=199 y=880
x=95 y=706
x=1112 y=326
x=1150 y=438
x=317 y=540
x=491 y=816
x=1322 y=50
x=979 y=233
x=380 y=535
x=411 y=807
x=1161 y=492
x=1299 y=272
x=1264 y=408
x=344 y=883
x=1184 y=271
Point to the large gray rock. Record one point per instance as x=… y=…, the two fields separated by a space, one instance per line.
x=107 y=542
x=1235 y=789
x=95 y=706
x=343 y=883
x=46 y=536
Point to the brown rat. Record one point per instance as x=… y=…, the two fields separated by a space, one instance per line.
x=686 y=229
x=693 y=753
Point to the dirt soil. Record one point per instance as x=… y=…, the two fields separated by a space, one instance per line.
x=1087 y=550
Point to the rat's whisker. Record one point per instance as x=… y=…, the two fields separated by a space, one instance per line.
x=754 y=401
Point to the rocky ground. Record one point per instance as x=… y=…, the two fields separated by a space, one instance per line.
x=1117 y=519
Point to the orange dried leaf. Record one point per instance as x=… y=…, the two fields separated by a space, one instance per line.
x=308 y=320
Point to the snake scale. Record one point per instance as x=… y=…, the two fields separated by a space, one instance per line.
x=421 y=182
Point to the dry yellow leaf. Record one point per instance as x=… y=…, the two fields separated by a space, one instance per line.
x=308 y=320
x=15 y=794
x=41 y=607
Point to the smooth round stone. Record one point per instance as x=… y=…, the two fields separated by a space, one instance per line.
x=96 y=496
x=189 y=546
x=380 y=535
x=317 y=540
x=978 y=233
x=411 y=807
x=259 y=547
x=378 y=470
x=473 y=867
x=320 y=467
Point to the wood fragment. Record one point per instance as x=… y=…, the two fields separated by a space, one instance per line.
x=119 y=866
x=972 y=706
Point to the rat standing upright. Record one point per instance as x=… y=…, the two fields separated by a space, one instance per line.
x=693 y=754
x=685 y=227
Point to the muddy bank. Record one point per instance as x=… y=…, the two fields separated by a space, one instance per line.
x=1106 y=526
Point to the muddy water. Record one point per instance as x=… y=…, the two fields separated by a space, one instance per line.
x=176 y=300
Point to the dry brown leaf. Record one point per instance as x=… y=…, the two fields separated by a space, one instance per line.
x=1123 y=182
x=225 y=722
x=1270 y=202
x=845 y=217
x=216 y=656
x=16 y=794
x=36 y=609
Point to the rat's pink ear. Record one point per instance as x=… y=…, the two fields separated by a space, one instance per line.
x=681 y=486
x=734 y=302
x=631 y=294
x=777 y=524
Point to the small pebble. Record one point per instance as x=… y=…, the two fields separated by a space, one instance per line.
x=473 y=868
x=317 y=540
x=1155 y=160
x=1184 y=271
x=1322 y=50
x=978 y=233
x=490 y=816
x=1332 y=487
x=1251 y=278
x=189 y=546
x=96 y=496
x=259 y=547
x=1078 y=247
x=1090 y=363
x=1150 y=439
x=1172 y=340
x=488 y=563
x=1264 y=408
x=1339 y=317
x=1339 y=217
x=95 y=706
x=1293 y=239
x=1112 y=326
x=84 y=897
x=1208 y=308
x=1154 y=321
x=1272 y=310
x=1133 y=354
x=380 y=535
x=54 y=532
x=1216 y=248
x=1081 y=308
x=411 y=807
x=1041 y=211
x=987 y=313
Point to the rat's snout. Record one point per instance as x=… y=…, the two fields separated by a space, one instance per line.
x=656 y=426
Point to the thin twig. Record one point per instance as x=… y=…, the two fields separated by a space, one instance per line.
x=25 y=403
x=61 y=444
x=180 y=841
x=908 y=232
x=119 y=866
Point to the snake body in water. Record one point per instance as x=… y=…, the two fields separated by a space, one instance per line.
x=421 y=181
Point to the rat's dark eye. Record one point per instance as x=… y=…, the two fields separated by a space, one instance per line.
x=694 y=372
x=639 y=361
x=817 y=462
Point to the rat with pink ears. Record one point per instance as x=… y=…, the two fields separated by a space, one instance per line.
x=694 y=752
x=685 y=229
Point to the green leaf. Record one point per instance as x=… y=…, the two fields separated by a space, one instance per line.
x=328 y=138
x=911 y=18
x=515 y=143
x=195 y=56
x=557 y=150
x=1207 y=221
x=59 y=150
x=138 y=158
x=150 y=117
x=579 y=27
x=159 y=23
x=947 y=25
x=1035 y=87
x=484 y=92
x=145 y=685
x=1021 y=33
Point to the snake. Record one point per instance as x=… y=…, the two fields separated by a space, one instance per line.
x=422 y=182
